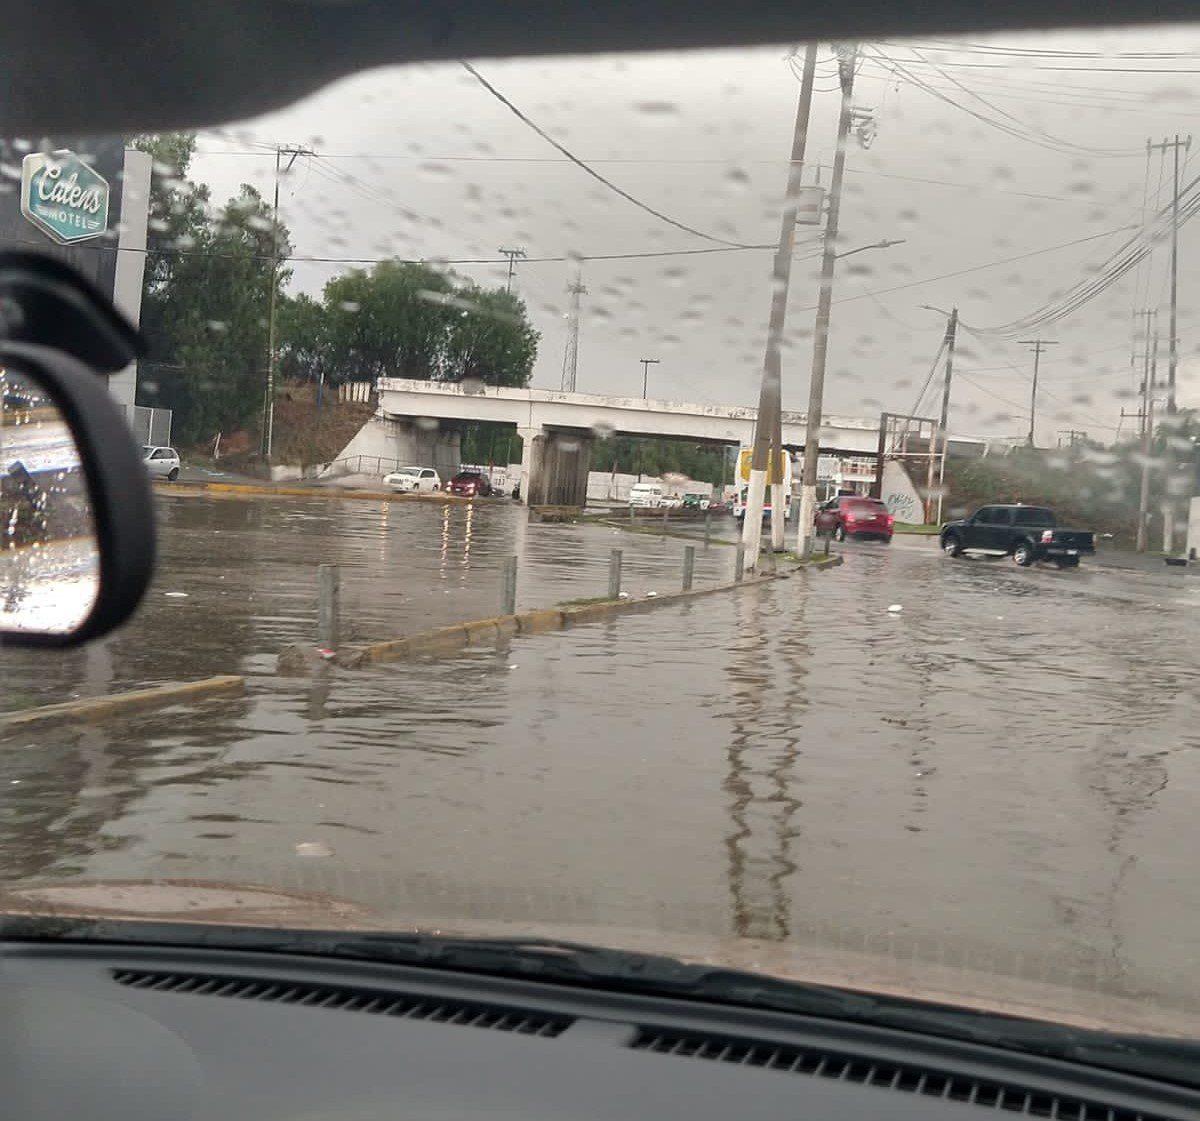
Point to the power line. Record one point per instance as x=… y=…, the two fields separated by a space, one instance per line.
x=1021 y=132
x=595 y=174
x=976 y=268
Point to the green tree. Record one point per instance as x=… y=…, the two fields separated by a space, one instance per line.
x=206 y=298
x=490 y=340
x=387 y=322
x=406 y=320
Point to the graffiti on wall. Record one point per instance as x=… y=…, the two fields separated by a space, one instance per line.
x=903 y=507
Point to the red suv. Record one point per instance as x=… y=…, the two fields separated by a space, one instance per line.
x=848 y=515
x=469 y=484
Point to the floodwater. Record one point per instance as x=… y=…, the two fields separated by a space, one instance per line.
x=1002 y=775
x=237 y=582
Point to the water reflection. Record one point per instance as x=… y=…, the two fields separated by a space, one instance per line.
x=767 y=678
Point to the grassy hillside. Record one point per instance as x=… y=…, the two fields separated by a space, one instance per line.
x=301 y=434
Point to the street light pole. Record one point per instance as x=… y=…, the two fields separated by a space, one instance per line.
x=646 y=364
x=768 y=426
x=816 y=388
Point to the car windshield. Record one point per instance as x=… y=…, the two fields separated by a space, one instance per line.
x=972 y=262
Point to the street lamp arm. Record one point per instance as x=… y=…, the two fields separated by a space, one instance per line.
x=884 y=244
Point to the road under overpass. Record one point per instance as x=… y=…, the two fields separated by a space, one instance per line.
x=419 y=421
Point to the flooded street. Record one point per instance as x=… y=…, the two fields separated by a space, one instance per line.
x=1002 y=775
x=237 y=581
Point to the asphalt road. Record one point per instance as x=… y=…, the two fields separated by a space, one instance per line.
x=1000 y=776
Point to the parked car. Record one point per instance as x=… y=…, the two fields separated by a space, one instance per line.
x=647 y=495
x=672 y=501
x=850 y=515
x=410 y=479
x=470 y=484
x=162 y=463
x=696 y=502
x=1025 y=533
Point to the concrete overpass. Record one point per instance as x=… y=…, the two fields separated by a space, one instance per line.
x=417 y=422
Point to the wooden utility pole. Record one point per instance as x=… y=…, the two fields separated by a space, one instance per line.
x=1173 y=341
x=268 y=417
x=768 y=426
x=1039 y=345
x=847 y=58
x=1150 y=371
x=512 y=255
x=942 y=432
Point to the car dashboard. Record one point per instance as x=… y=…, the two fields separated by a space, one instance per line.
x=137 y=1032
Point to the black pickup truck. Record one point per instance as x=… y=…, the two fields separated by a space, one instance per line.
x=1026 y=533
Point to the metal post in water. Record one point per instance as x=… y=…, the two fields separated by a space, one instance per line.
x=632 y=512
x=739 y=562
x=328 y=585
x=666 y=511
x=614 y=574
x=689 y=566
x=707 y=525
x=508 y=594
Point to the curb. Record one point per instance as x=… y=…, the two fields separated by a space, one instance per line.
x=88 y=709
x=834 y=560
x=188 y=488
x=485 y=632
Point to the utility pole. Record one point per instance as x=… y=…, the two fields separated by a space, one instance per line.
x=847 y=55
x=942 y=432
x=1039 y=345
x=646 y=364
x=1173 y=341
x=512 y=255
x=571 y=352
x=268 y=417
x=1147 y=440
x=768 y=426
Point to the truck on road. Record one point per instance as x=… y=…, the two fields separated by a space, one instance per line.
x=1025 y=533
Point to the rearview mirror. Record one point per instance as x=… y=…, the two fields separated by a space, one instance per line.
x=76 y=516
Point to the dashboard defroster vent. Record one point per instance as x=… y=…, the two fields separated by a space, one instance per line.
x=378 y=1002
x=913 y=1079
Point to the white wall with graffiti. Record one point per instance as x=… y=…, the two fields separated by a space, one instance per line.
x=901 y=497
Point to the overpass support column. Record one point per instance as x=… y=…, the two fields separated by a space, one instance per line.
x=566 y=461
x=533 y=447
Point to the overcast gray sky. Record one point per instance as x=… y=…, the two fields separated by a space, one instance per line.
x=424 y=162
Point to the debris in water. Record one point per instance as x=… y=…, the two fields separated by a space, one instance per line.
x=313 y=848
x=896 y=608
x=176 y=595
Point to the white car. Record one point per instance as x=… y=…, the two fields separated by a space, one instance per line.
x=410 y=479
x=162 y=463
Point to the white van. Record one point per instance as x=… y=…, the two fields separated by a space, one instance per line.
x=649 y=495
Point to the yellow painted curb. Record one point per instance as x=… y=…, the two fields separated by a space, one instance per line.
x=539 y=622
x=100 y=708
x=270 y=489
x=593 y=612
x=481 y=631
